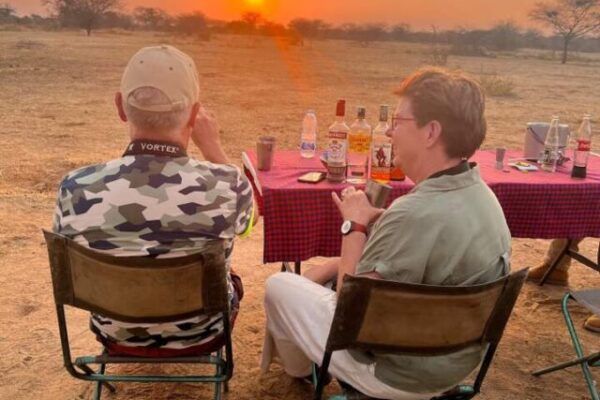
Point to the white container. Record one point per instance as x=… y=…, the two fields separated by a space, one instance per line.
x=535 y=136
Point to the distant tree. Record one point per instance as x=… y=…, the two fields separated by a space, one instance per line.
x=309 y=28
x=113 y=19
x=569 y=19
x=533 y=38
x=466 y=42
x=151 y=18
x=85 y=14
x=6 y=10
x=438 y=51
x=400 y=32
x=270 y=28
x=7 y=14
x=368 y=33
x=194 y=23
x=504 y=36
x=252 y=19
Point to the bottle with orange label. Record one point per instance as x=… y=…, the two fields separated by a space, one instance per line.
x=381 y=148
x=396 y=173
x=359 y=146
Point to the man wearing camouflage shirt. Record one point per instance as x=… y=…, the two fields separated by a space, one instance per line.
x=155 y=201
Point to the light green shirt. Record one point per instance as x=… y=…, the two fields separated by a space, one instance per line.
x=448 y=230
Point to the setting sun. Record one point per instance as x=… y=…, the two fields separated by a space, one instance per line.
x=254 y=3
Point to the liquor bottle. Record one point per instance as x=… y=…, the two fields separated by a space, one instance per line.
x=549 y=156
x=381 y=148
x=337 y=144
x=582 y=151
x=396 y=173
x=359 y=146
x=308 y=137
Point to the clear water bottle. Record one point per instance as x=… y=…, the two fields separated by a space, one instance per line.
x=308 y=138
x=549 y=156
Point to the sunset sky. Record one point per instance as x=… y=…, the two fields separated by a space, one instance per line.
x=417 y=13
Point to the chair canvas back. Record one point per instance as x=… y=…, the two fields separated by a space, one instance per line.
x=403 y=318
x=138 y=289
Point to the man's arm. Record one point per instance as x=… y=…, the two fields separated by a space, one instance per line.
x=206 y=137
x=353 y=206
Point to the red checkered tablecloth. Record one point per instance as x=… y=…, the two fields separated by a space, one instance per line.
x=301 y=221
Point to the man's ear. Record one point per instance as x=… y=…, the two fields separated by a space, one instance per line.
x=195 y=109
x=434 y=133
x=119 y=104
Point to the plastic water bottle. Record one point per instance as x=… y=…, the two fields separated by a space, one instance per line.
x=308 y=138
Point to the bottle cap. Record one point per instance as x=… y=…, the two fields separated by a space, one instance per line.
x=383 y=112
x=340 y=108
x=361 y=112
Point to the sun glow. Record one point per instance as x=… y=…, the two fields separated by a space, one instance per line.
x=254 y=3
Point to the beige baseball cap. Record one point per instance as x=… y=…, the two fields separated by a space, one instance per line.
x=164 y=68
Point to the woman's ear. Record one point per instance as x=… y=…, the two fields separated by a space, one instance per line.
x=434 y=133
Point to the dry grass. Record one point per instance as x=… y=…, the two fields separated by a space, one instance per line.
x=56 y=114
x=497 y=86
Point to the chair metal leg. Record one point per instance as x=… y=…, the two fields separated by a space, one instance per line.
x=587 y=374
x=218 y=372
x=322 y=376
x=581 y=360
x=85 y=368
x=589 y=360
x=98 y=390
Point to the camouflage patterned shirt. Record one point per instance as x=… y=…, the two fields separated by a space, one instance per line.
x=155 y=201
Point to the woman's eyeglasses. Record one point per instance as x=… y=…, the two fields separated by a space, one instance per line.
x=396 y=120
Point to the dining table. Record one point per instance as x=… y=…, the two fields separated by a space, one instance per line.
x=301 y=221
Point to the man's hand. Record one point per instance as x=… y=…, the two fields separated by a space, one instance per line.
x=355 y=206
x=206 y=137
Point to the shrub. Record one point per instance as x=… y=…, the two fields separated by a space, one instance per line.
x=496 y=86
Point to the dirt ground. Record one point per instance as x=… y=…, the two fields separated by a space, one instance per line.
x=56 y=114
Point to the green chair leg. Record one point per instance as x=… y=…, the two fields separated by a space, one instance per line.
x=587 y=374
x=219 y=371
x=99 y=384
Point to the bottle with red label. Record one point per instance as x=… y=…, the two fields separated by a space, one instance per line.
x=582 y=148
x=337 y=147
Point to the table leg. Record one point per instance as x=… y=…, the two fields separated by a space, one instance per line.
x=285 y=267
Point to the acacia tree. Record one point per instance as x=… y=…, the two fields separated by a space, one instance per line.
x=569 y=19
x=152 y=18
x=81 y=13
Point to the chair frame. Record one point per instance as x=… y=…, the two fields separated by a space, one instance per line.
x=59 y=248
x=496 y=323
x=585 y=362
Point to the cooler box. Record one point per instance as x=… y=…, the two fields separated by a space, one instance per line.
x=535 y=135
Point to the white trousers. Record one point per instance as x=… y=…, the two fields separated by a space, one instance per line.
x=299 y=314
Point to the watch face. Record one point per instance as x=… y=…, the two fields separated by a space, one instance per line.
x=346 y=227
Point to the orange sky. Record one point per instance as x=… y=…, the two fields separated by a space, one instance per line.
x=417 y=13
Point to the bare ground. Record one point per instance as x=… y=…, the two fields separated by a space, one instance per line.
x=56 y=114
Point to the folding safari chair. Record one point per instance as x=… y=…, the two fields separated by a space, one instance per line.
x=590 y=299
x=140 y=289
x=422 y=320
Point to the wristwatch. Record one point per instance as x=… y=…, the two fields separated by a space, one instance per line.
x=351 y=226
